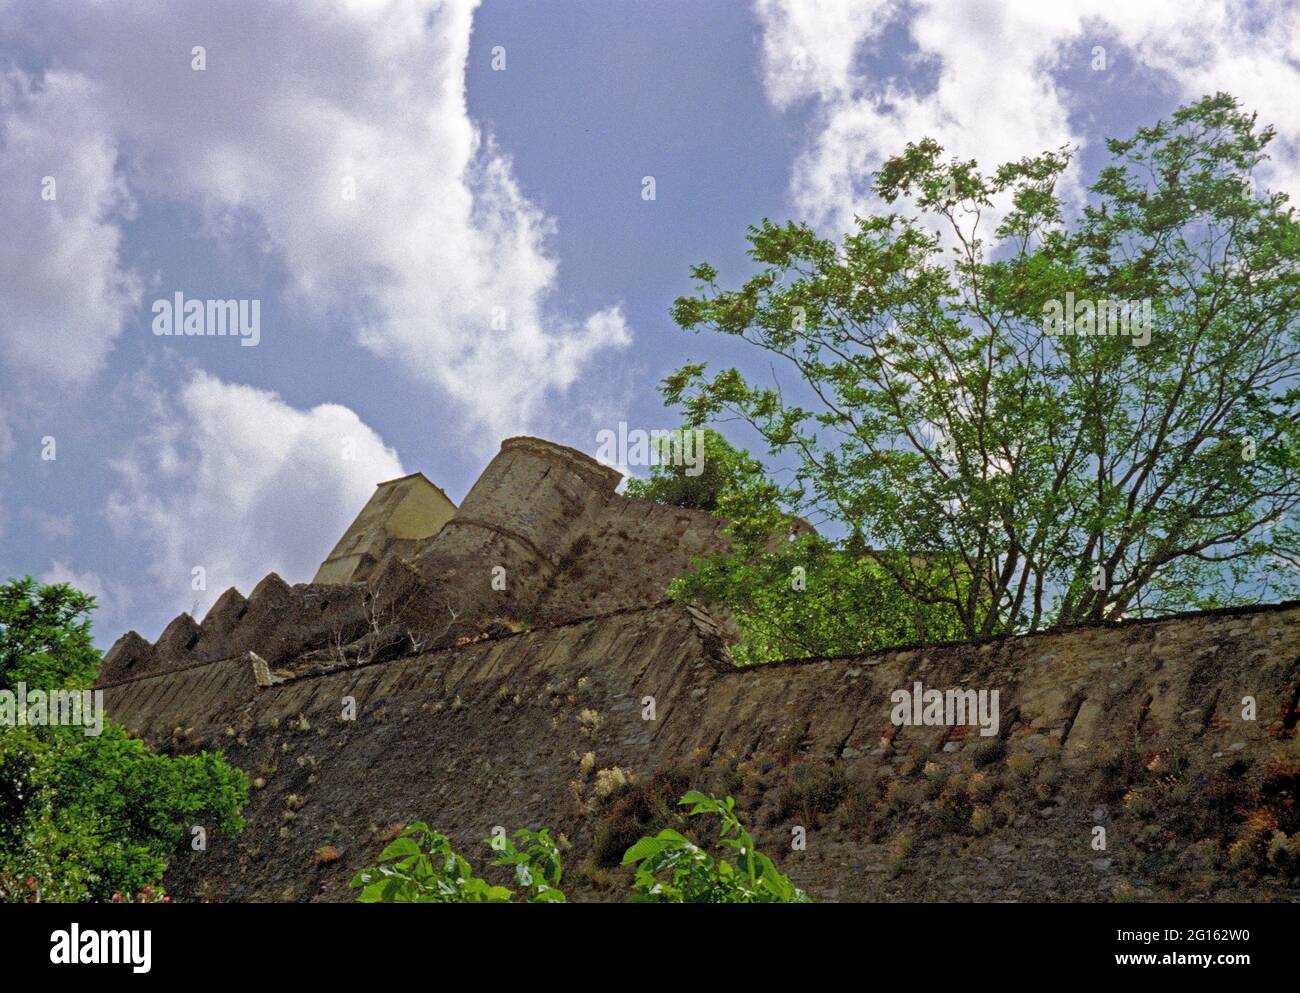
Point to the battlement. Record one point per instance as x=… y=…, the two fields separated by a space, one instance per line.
x=541 y=537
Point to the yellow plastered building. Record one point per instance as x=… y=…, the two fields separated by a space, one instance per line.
x=401 y=513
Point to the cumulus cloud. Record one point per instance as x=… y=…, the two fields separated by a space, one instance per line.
x=997 y=95
x=64 y=293
x=236 y=482
x=112 y=599
x=344 y=130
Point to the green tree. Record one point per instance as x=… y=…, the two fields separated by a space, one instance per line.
x=84 y=817
x=791 y=591
x=1036 y=478
x=45 y=636
x=724 y=470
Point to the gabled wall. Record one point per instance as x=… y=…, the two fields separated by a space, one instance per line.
x=399 y=514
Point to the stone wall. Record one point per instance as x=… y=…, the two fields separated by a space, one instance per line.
x=494 y=733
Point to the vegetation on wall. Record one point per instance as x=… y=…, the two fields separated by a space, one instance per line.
x=419 y=866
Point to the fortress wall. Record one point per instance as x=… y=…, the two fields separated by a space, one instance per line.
x=535 y=492
x=276 y=620
x=546 y=514
x=1137 y=727
x=492 y=733
x=280 y=621
x=629 y=554
x=518 y=515
x=202 y=695
x=570 y=546
x=1178 y=680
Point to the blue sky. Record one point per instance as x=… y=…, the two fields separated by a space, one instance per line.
x=498 y=270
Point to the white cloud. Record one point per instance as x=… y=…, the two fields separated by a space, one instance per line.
x=112 y=599
x=441 y=263
x=810 y=49
x=63 y=291
x=235 y=481
x=996 y=98
x=53 y=527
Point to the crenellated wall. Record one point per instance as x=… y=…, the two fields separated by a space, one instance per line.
x=545 y=514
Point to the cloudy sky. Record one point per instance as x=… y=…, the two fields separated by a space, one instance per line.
x=439 y=207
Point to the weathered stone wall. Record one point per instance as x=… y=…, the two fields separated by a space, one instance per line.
x=493 y=733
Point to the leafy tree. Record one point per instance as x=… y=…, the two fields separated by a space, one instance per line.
x=1035 y=478
x=790 y=591
x=85 y=817
x=724 y=470
x=812 y=597
x=45 y=638
x=670 y=868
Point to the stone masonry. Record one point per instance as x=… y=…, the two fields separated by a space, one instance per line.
x=579 y=699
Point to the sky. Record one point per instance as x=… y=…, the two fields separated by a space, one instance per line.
x=442 y=212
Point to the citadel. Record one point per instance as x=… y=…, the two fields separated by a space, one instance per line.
x=400 y=685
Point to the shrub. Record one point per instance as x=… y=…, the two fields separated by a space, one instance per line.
x=672 y=869
x=536 y=865
x=632 y=811
x=419 y=866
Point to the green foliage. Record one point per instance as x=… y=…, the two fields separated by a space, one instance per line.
x=694 y=876
x=1033 y=479
x=790 y=591
x=724 y=469
x=419 y=866
x=89 y=816
x=45 y=638
x=537 y=865
x=841 y=603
